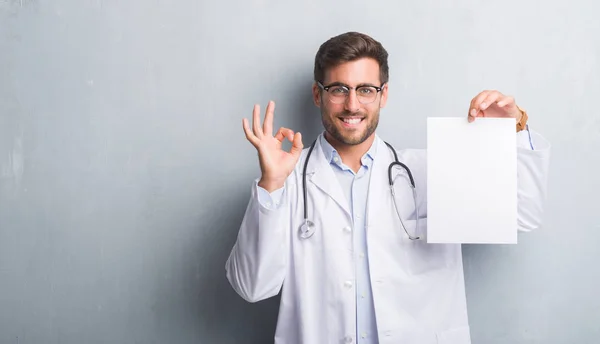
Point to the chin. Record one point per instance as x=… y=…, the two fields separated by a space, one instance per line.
x=353 y=139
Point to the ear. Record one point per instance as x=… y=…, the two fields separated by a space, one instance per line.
x=384 y=96
x=316 y=91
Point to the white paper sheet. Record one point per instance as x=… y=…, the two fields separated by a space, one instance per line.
x=471 y=181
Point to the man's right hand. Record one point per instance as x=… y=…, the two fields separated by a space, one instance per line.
x=275 y=163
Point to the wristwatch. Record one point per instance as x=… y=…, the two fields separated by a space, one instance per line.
x=522 y=124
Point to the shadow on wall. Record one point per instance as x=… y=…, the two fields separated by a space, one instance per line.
x=304 y=115
x=202 y=306
x=226 y=316
x=195 y=303
x=256 y=322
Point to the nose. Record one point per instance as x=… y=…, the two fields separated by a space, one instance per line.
x=352 y=104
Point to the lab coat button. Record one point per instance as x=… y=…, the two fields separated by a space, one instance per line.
x=348 y=284
x=347 y=229
x=348 y=339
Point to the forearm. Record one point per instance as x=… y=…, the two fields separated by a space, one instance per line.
x=256 y=266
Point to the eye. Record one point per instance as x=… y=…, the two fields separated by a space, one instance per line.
x=338 y=90
x=366 y=90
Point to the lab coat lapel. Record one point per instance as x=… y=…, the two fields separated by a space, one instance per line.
x=321 y=174
x=378 y=186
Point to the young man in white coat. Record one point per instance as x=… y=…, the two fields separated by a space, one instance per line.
x=352 y=274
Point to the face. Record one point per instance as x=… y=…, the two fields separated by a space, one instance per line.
x=351 y=122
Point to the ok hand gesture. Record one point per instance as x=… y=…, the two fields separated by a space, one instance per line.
x=275 y=163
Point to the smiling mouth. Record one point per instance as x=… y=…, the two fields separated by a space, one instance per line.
x=351 y=120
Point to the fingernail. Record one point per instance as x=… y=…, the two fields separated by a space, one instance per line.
x=473 y=112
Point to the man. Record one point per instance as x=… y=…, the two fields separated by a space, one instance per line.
x=352 y=274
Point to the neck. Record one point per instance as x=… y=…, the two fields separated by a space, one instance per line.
x=351 y=154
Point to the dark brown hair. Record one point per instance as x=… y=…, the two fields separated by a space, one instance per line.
x=347 y=47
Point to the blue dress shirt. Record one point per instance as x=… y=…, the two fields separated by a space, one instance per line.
x=356 y=188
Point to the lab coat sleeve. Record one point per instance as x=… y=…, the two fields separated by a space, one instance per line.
x=257 y=264
x=269 y=200
x=533 y=157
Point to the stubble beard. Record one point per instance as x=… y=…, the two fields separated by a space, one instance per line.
x=332 y=129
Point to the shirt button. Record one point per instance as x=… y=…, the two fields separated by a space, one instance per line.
x=358 y=216
x=348 y=284
x=347 y=229
x=364 y=335
x=268 y=204
x=336 y=159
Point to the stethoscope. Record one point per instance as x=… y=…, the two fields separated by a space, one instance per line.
x=307 y=229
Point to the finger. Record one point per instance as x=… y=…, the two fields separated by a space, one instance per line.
x=491 y=98
x=476 y=103
x=474 y=109
x=284 y=133
x=478 y=98
x=256 y=122
x=249 y=135
x=297 y=145
x=268 y=125
x=506 y=101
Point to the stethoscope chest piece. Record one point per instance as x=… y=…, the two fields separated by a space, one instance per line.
x=307 y=229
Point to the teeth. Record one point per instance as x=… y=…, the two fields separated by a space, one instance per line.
x=352 y=120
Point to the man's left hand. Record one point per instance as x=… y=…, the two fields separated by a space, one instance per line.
x=493 y=104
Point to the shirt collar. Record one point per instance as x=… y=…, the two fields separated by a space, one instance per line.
x=331 y=153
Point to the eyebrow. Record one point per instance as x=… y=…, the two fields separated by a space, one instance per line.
x=337 y=83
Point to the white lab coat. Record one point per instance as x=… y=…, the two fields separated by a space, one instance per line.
x=418 y=288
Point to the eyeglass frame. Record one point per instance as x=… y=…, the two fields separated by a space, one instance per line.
x=326 y=89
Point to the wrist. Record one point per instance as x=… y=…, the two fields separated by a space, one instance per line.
x=521 y=119
x=271 y=184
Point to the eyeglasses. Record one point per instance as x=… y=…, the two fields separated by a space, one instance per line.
x=339 y=93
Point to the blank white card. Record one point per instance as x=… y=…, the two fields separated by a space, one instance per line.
x=471 y=181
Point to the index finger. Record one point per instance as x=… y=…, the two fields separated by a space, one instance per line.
x=490 y=99
x=285 y=133
x=268 y=124
x=474 y=108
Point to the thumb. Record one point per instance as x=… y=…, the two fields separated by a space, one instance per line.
x=297 y=145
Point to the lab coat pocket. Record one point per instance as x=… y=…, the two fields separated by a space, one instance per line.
x=424 y=257
x=458 y=335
